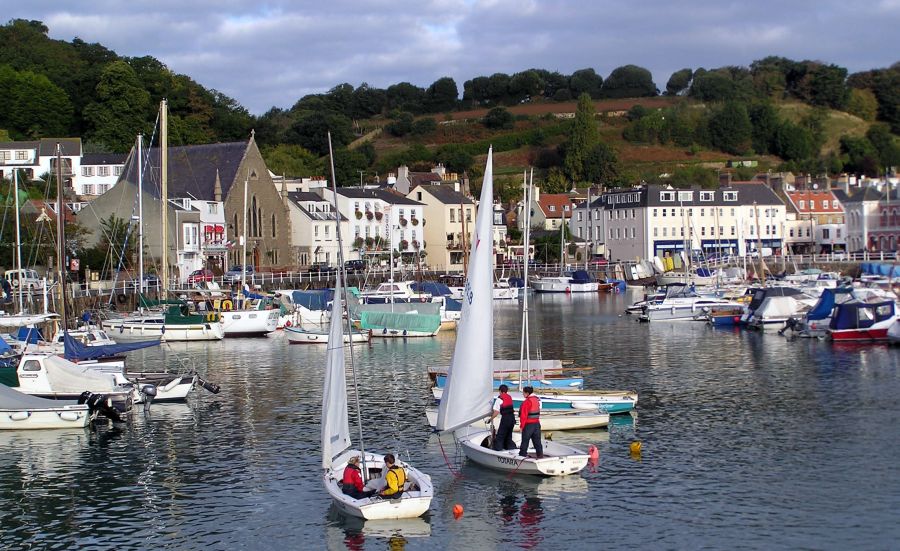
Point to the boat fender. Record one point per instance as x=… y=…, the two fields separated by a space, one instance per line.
x=422 y=299
x=171 y=384
x=162 y=329
x=19 y=415
x=288 y=323
x=593 y=452
x=384 y=331
x=227 y=305
x=212 y=317
x=121 y=328
x=69 y=415
x=635 y=448
x=404 y=332
x=121 y=299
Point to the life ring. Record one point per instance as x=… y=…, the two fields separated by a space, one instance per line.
x=212 y=317
x=423 y=299
x=121 y=299
x=226 y=305
x=288 y=323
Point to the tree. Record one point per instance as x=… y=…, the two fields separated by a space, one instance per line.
x=765 y=121
x=586 y=81
x=455 y=158
x=693 y=175
x=828 y=86
x=118 y=113
x=442 y=95
x=629 y=81
x=730 y=129
x=859 y=156
x=885 y=144
x=35 y=107
x=526 y=84
x=423 y=126
x=406 y=97
x=679 y=82
x=498 y=118
x=311 y=131
x=401 y=125
x=292 y=161
x=346 y=164
x=601 y=165
x=582 y=138
x=863 y=104
x=793 y=143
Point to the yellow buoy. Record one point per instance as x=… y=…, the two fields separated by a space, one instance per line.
x=635 y=447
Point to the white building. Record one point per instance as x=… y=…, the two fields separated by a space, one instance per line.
x=99 y=172
x=313 y=230
x=588 y=224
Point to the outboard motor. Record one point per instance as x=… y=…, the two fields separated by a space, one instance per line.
x=212 y=387
x=99 y=404
x=148 y=392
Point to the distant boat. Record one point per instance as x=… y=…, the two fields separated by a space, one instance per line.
x=301 y=335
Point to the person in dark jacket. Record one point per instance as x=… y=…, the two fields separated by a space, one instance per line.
x=503 y=406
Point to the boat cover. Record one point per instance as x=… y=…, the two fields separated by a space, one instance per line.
x=452 y=305
x=433 y=288
x=312 y=300
x=29 y=335
x=875 y=268
x=423 y=323
x=66 y=377
x=13 y=399
x=75 y=350
x=826 y=303
x=581 y=276
x=860 y=315
x=412 y=307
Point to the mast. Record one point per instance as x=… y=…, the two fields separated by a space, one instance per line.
x=589 y=253
x=341 y=274
x=562 y=243
x=465 y=252
x=244 y=241
x=18 y=238
x=60 y=240
x=525 y=346
x=140 y=168
x=164 y=190
x=762 y=266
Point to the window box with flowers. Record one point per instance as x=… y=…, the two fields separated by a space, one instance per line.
x=404 y=244
x=379 y=215
x=415 y=244
x=359 y=215
x=370 y=242
x=415 y=221
x=369 y=215
x=358 y=243
x=403 y=221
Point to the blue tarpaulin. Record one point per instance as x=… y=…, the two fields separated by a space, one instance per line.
x=452 y=305
x=874 y=268
x=29 y=335
x=860 y=315
x=433 y=288
x=312 y=300
x=75 y=350
x=581 y=276
x=826 y=303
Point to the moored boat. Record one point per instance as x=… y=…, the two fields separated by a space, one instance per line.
x=861 y=321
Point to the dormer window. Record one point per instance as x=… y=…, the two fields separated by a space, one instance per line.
x=707 y=195
x=729 y=195
x=802 y=204
x=666 y=195
x=685 y=195
x=552 y=208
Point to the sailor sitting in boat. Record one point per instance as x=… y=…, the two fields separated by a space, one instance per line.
x=352 y=481
x=394 y=477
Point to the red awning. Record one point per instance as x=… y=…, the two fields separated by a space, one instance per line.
x=209 y=229
x=220 y=229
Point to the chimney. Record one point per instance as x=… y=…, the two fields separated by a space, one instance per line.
x=537 y=194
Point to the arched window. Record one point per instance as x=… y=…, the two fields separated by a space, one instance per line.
x=273 y=225
x=259 y=223
x=254 y=221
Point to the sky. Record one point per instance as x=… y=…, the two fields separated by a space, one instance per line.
x=270 y=53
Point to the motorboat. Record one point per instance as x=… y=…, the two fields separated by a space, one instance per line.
x=862 y=321
x=578 y=282
x=20 y=411
x=302 y=335
x=683 y=303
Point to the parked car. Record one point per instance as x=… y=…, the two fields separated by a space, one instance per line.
x=234 y=274
x=28 y=279
x=355 y=265
x=321 y=268
x=200 y=276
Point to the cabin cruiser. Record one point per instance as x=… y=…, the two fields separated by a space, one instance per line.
x=682 y=303
x=578 y=282
x=772 y=307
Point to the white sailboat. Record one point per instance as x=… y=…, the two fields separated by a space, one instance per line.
x=469 y=389
x=336 y=452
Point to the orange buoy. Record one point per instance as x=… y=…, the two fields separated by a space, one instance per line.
x=593 y=452
x=457 y=510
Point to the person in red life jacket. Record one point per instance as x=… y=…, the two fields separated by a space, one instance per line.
x=352 y=481
x=530 y=423
x=503 y=406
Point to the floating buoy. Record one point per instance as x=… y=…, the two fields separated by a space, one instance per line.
x=457 y=510
x=593 y=452
x=635 y=449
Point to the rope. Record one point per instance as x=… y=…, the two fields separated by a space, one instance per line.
x=454 y=472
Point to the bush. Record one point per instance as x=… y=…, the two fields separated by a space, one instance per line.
x=498 y=118
x=424 y=126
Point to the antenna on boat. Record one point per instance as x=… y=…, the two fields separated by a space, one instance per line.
x=341 y=275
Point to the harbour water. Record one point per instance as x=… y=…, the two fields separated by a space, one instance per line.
x=749 y=442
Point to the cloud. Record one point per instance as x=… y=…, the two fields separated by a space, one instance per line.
x=273 y=52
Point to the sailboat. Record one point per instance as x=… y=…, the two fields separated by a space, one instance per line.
x=336 y=446
x=469 y=390
x=579 y=282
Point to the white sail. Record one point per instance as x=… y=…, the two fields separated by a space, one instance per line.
x=469 y=388
x=335 y=424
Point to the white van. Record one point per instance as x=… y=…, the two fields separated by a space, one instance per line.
x=29 y=279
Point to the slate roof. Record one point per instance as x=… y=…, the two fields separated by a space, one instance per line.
x=192 y=169
x=46 y=147
x=383 y=194
x=446 y=195
x=103 y=159
x=298 y=197
x=748 y=193
x=868 y=193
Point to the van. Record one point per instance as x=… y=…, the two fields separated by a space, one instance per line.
x=29 y=279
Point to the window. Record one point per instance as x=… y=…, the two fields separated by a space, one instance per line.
x=721 y=230
x=468 y=215
x=21 y=155
x=87 y=171
x=566 y=208
x=102 y=188
x=732 y=211
x=791 y=233
x=88 y=189
x=702 y=230
x=632 y=233
x=273 y=226
x=327 y=231
x=682 y=231
x=834 y=204
x=685 y=195
x=632 y=213
x=666 y=195
x=31 y=365
x=102 y=171
x=655 y=232
x=610 y=233
x=802 y=204
x=826 y=233
x=552 y=208
x=654 y=213
x=729 y=195
x=732 y=230
x=707 y=195
x=837 y=233
x=213 y=208
x=702 y=212
x=665 y=233
x=452 y=216
x=5 y=155
x=664 y=213
x=812 y=204
x=316 y=230
x=690 y=212
x=117 y=170
x=673 y=212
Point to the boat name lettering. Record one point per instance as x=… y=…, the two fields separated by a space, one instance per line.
x=28 y=375
x=508 y=460
x=469 y=294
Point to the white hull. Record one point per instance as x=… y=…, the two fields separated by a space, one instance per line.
x=302 y=336
x=690 y=279
x=401 y=333
x=506 y=293
x=893 y=333
x=248 y=323
x=63 y=417
x=135 y=330
x=412 y=503
x=550 y=420
x=562 y=285
x=558 y=459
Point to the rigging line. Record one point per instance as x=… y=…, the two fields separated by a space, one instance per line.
x=456 y=473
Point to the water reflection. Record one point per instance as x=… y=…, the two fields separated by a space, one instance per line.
x=348 y=532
